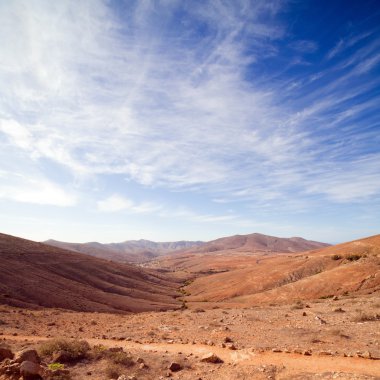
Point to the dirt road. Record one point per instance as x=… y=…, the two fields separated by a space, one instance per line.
x=291 y=362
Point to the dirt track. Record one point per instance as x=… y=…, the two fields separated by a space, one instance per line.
x=292 y=363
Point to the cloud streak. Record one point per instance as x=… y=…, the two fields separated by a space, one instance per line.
x=101 y=91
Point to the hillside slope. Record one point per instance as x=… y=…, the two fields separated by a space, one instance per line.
x=35 y=274
x=133 y=251
x=259 y=243
x=352 y=267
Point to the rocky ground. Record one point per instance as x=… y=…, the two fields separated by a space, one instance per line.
x=321 y=339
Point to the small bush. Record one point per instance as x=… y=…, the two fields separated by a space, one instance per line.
x=98 y=352
x=298 y=306
x=120 y=357
x=113 y=371
x=56 y=366
x=73 y=349
x=353 y=257
x=113 y=355
x=336 y=257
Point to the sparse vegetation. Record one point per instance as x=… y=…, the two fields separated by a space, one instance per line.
x=113 y=371
x=298 y=305
x=353 y=257
x=120 y=357
x=56 y=366
x=114 y=356
x=98 y=352
x=73 y=350
x=326 y=297
x=336 y=257
x=198 y=310
x=366 y=317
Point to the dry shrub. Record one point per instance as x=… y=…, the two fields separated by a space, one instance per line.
x=113 y=355
x=353 y=257
x=298 y=306
x=113 y=371
x=120 y=357
x=74 y=349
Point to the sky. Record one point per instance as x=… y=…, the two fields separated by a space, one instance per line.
x=189 y=120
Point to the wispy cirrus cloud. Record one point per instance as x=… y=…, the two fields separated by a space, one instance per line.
x=195 y=97
x=347 y=42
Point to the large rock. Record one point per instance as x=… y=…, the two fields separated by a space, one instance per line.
x=5 y=353
x=175 y=367
x=211 y=358
x=27 y=355
x=30 y=370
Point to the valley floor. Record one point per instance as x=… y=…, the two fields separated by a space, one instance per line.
x=321 y=339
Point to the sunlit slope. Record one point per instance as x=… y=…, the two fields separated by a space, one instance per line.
x=346 y=268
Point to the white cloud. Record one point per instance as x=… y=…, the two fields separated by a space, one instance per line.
x=115 y=203
x=171 y=109
x=20 y=188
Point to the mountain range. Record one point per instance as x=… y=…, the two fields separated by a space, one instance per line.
x=139 y=251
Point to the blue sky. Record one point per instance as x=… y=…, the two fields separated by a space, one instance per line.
x=171 y=120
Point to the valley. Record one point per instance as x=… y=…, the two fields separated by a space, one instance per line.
x=263 y=312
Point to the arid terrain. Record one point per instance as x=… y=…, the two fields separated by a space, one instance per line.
x=262 y=314
x=34 y=275
x=134 y=251
x=140 y=251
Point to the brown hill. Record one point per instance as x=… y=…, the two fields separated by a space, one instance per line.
x=352 y=267
x=35 y=274
x=232 y=252
x=259 y=243
x=131 y=251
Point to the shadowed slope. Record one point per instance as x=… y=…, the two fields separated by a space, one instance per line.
x=34 y=274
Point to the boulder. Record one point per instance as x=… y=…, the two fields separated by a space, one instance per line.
x=27 y=355
x=211 y=358
x=175 y=367
x=30 y=369
x=5 y=353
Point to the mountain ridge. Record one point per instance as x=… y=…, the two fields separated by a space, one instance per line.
x=140 y=251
